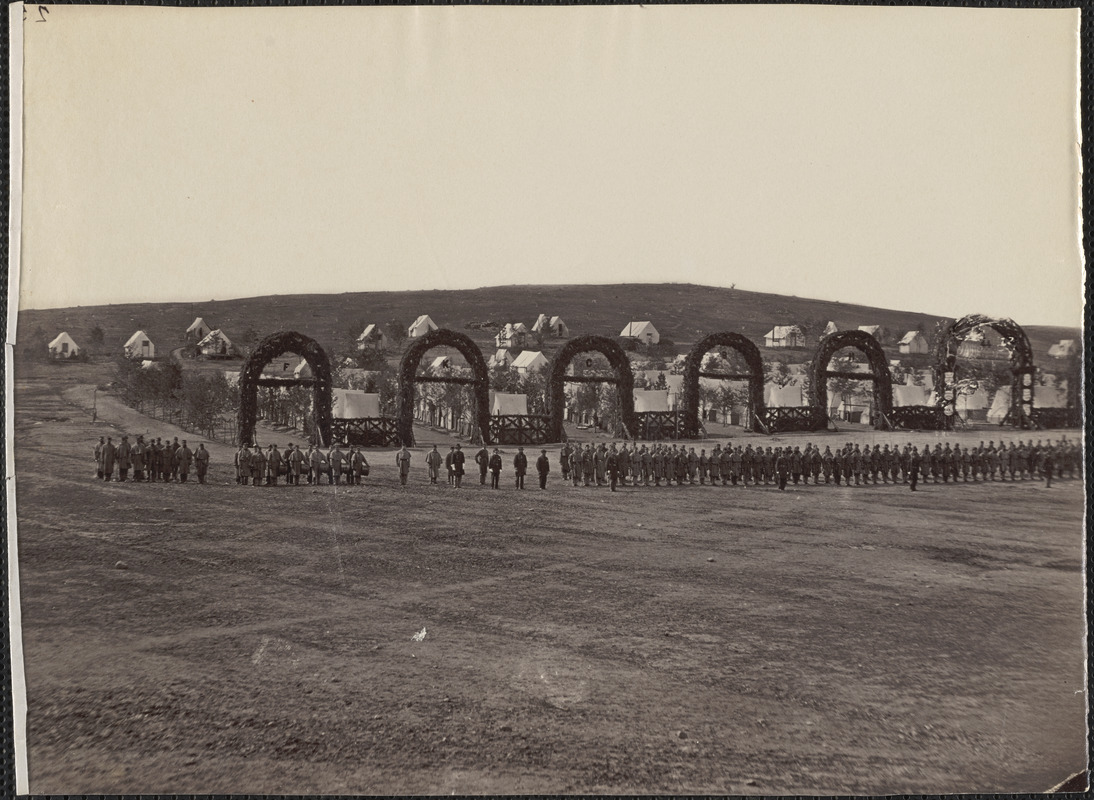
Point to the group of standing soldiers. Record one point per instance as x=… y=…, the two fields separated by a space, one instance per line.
x=609 y=465
x=258 y=467
x=151 y=461
x=679 y=465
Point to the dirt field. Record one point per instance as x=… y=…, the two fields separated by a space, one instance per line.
x=673 y=640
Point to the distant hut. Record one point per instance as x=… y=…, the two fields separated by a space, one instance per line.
x=139 y=346
x=830 y=328
x=64 y=346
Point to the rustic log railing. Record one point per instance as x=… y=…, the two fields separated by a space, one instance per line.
x=918 y=418
x=655 y=425
x=782 y=419
x=520 y=429
x=366 y=431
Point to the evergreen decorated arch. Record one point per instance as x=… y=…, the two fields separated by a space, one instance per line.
x=693 y=371
x=557 y=379
x=250 y=378
x=409 y=378
x=879 y=371
x=1021 y=362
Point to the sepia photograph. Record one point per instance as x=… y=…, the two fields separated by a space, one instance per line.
x=672 y=399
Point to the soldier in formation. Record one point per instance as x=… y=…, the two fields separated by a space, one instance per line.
x=620 y=465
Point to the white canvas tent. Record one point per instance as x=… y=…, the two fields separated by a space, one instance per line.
x=372 y=336
x=1062 y=349
x=784 y=336
x=509 y=404
x=910 y=395
x=198 y=330
x=912 y=343
x=501 y=358
x=421 y=326
x=651 y=400
x=64 y=346
x=542 y=324
x=972 y=406
x=354 y=404
x=558 y=327
x=1050 y=395
x=641 y=331
x=529 y=361
x=776 y=396
x=1000 y=405
x=511 y=336
x=139 y=346
x=215 y=343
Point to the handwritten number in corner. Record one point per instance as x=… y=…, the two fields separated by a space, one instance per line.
x=42 y=11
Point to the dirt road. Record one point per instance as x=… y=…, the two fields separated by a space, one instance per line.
x=684 y=640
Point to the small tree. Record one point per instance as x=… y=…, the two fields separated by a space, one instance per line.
x=96 y=336
x=397 y=331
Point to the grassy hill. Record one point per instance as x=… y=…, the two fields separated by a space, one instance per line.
x=681 y=312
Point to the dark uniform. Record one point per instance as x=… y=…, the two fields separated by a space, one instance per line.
x=543 y=466
x=520 y=465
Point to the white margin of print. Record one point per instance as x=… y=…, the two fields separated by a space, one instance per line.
x=15 y=221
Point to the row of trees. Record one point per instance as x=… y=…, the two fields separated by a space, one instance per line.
x=202 y=402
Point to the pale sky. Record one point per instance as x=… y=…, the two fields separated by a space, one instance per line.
x=916 y=158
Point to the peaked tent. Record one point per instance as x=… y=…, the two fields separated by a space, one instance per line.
x=1000 y=405
x=529 y=361
x=64 y=346
x=642 y=331
x=558 y=327
x=541 y=324
x=372 y=335
x=198 y=330
x=422 y=325
x=139 y=346
x=215 y=343
x=501 y=358
x=784 y=336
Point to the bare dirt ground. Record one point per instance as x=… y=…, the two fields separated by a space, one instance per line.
x=673 y=640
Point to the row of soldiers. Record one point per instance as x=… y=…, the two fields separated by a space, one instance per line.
x=151 y=461
x=258 y=467
x=680 y=465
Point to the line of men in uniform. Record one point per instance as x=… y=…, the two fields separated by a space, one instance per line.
x=609 y=465
x=258 y=467
x=152 y=461
x=679 y=464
